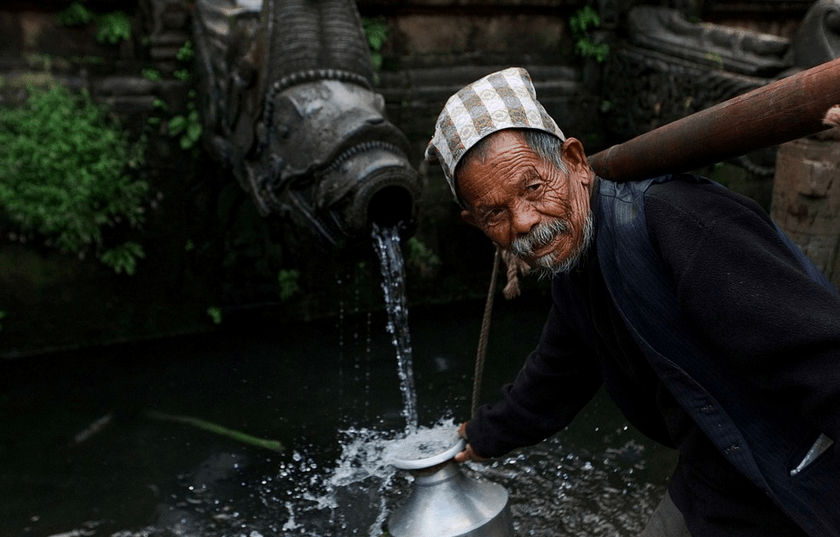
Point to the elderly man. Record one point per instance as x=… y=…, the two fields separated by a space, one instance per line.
x=707 y=327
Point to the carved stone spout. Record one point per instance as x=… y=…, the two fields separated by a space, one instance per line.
x=291 y=108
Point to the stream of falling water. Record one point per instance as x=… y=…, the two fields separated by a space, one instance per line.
x=386 y=242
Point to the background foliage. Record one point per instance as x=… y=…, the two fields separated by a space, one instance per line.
x=111 y=28
x=582 y=24
x=67 y=175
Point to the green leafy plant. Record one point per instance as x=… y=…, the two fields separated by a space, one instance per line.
x=288 y=283
x=376 y=32
x=111 y=28
x=123 y=258
x=581 y=24
x=186 y=53
x=66 y=175
x=2 y=316
x=152 y=74
x=215 y=314
x=157 y=104
x=186 y=127
x=75 y=15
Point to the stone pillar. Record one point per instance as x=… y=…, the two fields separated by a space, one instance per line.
x=806 y=200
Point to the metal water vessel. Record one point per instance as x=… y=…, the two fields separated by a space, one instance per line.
x=445 y=503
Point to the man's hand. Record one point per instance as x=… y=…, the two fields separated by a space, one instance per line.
x=468 y=454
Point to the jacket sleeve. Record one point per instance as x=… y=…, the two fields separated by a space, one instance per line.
x=557 y=380
x=747 y=294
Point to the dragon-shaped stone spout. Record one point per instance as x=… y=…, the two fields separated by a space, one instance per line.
x=290 y=106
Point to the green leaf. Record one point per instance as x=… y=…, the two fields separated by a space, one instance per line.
x=288 y=283
x=176 y=125
x=75 y=15
x=186 y=52
x=215 y=313
x=153 y=75
x=376 y=32
x=194 y=131
x=273 y=445
x=124 y=257
x=113 y=27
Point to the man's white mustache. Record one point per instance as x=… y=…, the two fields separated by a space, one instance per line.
x=544 y=233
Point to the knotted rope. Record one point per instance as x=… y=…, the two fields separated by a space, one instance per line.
x=832 y=117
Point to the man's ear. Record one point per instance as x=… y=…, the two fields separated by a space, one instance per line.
x=575 y=156
x=469 y=218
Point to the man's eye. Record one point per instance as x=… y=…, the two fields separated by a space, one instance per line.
x=493 y=215
x=533 y=187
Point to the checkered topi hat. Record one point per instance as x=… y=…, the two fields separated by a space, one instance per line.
x=501 y=100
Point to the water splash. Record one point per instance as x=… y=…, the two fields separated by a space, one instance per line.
x=386 y=242
x=349 y=498
x=362 y=487
x=601 y=488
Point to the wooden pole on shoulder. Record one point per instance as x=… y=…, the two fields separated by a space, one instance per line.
x=785 y=110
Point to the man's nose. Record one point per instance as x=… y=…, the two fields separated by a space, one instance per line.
x=524 y=218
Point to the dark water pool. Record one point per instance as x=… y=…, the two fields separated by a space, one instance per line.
x=82 y=456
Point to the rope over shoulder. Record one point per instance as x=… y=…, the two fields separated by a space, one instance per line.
x=515 y=266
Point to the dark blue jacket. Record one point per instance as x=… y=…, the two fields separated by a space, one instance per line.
x=765 y=440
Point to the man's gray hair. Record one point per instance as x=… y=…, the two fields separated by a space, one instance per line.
x=548 y=147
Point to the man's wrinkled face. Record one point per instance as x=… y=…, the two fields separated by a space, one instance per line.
x=527 y=205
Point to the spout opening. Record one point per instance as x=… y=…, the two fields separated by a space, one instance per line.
x=391 y=206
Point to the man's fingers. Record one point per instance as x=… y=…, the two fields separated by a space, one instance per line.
x=469 y=454
x=462 y=430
